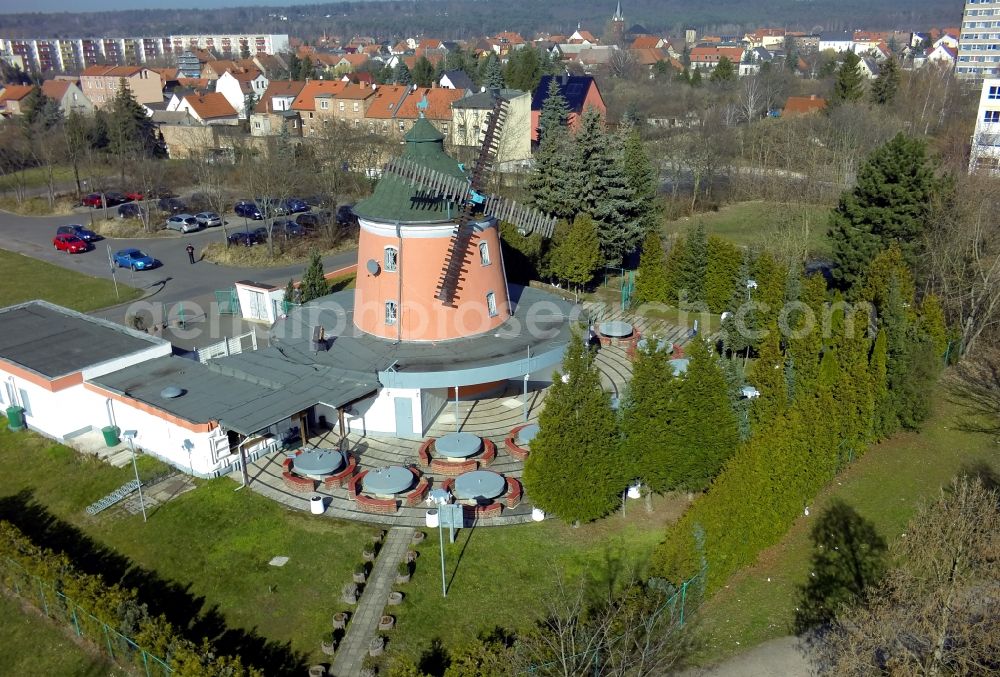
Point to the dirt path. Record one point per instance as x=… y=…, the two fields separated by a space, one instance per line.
x=782 y=657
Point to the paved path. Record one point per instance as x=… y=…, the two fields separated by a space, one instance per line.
x=782 y=657
x=363 y=624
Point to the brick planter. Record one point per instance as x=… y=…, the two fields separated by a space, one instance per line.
x=386 y=622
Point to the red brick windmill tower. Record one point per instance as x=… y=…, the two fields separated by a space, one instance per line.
x=430 y=265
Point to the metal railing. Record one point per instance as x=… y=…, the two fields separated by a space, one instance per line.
x=119 y=648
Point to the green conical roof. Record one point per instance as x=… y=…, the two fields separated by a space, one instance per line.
x=395 y=199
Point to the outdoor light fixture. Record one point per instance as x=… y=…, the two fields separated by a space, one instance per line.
x=129 y=436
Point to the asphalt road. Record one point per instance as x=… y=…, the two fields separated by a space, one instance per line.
x=174 y=281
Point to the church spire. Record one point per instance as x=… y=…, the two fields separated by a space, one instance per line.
x=618 y=13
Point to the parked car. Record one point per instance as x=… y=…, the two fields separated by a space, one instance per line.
x=185 y=223
x=134 y=196
x=248 y=238
x=78 y=230
x=171 y=205
x=314 y=219
x=134 y=259
x=287 y=228
x=97 y=200
x=208 y=219
x=129 y=210
x=318 y=200
x=248 y=209
x=114 y=198
x=67 y=242
x=345 y=216
x=294 y=205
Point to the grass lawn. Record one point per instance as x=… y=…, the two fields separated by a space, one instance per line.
x=884 y=486
x=35 y=177
x=784 y=227
x=499 y=576
x=201 y=555
x=25 y=279
x=30 y=644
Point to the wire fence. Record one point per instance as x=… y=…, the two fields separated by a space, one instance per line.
x=121 y=649
x=681 y=600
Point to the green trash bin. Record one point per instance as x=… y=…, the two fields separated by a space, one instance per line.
x=15 y=418
x=111 y=436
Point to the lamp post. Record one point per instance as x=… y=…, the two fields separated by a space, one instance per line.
x=751 y=284
x=129 y=436
x=440 y=498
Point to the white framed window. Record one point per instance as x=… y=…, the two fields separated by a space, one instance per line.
x=391 y=312
x=484 y=253
x=390 y=261
x=357 y=106
x=324 y=104
x=341 y=105
x=491 y=304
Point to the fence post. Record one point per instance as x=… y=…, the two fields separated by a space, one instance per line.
x=45 y=602
x=107 y=637
x=684 y=589
x=76 y=622
x=145 y=662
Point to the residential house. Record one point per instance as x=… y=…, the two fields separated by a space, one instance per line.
x=209 y=109
x=242 y=89
x=69 y=96
x=469 y=116
x=274 y=112
x=753 y=59
x=803 y=105
x=12 y=98
x=189 y=65
x=457 y=80
x=707 y=57
x=837 y=42
x=948 y=40
x=594 y=56
x=350 y=103
x=805 y=44
x=213 y=70
x=437 y=111
x=350 y=62
x=648 y=42
x=273 y=66
x=869 y=67
x=941 y=55
x=768 y=38
x=359 y=78
x=581 y=37
x=504 y=43
x=382 y=108
x=985 y=151
x=580 y=92
x=100 y=84
x=310 y=104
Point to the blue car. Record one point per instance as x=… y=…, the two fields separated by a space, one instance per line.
x=294 y=205
x=248 y=209
x=134 y=259
x=79 y=231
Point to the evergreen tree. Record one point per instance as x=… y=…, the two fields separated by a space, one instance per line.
x=573 y=470
x=696 y=77
x=849 y=85
x=721 y=273
x=739 y=325
x=617 y=211
x=886 y=85
x=314 y=285
x=767 y=375
x=651 y=284
x=130 y=130
x=423 y=72
x=642 y=178
x=676 y=257
x=294 y=67
x=577 y=256
x=98 y=132
x=691 y=275
x=889 y=204
x=932 y=323
x=705 y=426
x=649 y=417
x=491 y=72
x=884 y=421
x=523 y=70
x=552 y=183
x=401 y=74
x=724 y=71
x=39 y=112
x=290 y=294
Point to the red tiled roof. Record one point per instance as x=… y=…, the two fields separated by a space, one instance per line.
x=385 y=102
x=306 y=100
x=15 y=92
x=193 y=83
x=55 y=89
x=111 y=71
x=210 y=105
x=713 y=54
x=355 y=60
x=645 y=42
x=277 y=88
x=800 y=105
x=649 y=56
x=439 y=102
x=354 y=92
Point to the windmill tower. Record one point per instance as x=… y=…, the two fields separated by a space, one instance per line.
x=430 y=264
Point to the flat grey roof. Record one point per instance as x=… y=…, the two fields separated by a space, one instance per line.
x=55 y=341
x=245 y=392
x=541 y=322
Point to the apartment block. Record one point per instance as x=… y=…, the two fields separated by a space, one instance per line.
x=979 y=41
x=985 y=150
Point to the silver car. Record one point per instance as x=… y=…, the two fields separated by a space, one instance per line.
x=208 y=219
x=186 y=223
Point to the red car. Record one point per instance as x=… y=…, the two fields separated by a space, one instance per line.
x=93 y=200
x=135 y=197
x=70 y=243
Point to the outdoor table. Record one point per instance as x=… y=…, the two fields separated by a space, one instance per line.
x=318 y=462
x=661 y=344
x=526 y=434
x=457 y=445
x=616 y=329
x=387 y=482
x=479 y=484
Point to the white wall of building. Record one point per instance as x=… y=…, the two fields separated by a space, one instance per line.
x=377 y=414
x=985 y=151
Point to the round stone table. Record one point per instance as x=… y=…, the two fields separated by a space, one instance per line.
x=318 y=462
x=457 y=445
x=479 y=484
x=616 y=329
x=526 y=434
x=388 y=481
